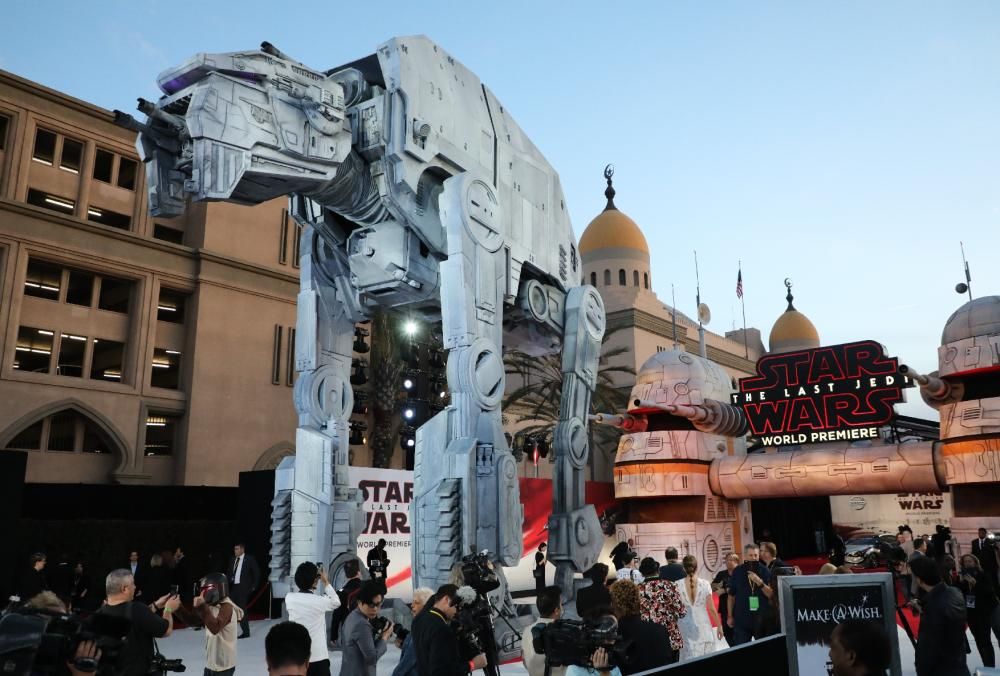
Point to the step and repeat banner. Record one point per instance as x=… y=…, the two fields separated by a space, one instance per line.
x=387 y=497
x=886 y=513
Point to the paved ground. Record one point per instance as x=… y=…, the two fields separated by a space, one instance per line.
x=189 y=645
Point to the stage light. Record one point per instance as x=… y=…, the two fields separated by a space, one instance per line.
x=357 y=436
x=543 y=447
x=360 y=403
x=408 y=413
x=360 y=375
x=408 y=384
x=410 y=328
x=360 y=346
x=407 y=437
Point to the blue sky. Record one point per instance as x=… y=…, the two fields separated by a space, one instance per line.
x=848 y=146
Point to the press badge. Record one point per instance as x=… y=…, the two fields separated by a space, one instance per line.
x=754 y=604
x=970 y=601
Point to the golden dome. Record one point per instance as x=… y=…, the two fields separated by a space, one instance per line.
x=793 y=330
x=612 y=230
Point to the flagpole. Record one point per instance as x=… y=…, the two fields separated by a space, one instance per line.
x=743 y=305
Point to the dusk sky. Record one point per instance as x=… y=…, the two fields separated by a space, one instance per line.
x=849 y=146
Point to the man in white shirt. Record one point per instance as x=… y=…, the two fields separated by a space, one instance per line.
x=310 y=609
x=549 y=604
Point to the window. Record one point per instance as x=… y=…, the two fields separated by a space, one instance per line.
x=72 y=155
x=290 y=358
x=45 y=200
x=607 y=278
x=593 y=279
x=45 y=147
x=108 y=217
x=645 y=279
x=106 y=360
x=621 y=278
x=276 y=355
x=126 y=173
x=115 y=294
x=4 y=123
x=42 y=280
x=80 y=288
x=67 y=431
x=33 y=351
x=103 y=164
x=170 y=307
x=166 y=369
x=161 y=433
x=168 y=234
x=283 y=241
x=71 y=349
x=28 y=439
x=635 y=278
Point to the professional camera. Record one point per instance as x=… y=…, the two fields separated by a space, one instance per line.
x=478 y=573
x=379 y=624
x=161 y=665
x=566 y=642
x=472 y=622
x=34 y=641
x=400 y=632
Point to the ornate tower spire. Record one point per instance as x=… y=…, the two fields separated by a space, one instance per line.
x=789 y=297
x=609 y=192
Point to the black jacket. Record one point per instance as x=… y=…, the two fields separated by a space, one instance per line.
x=649 y=645
x=32 y=583
x=987 y=556
x=672 y=572
x=591 y=598
x=941 y=645
x=249 y=574
x=436 y=646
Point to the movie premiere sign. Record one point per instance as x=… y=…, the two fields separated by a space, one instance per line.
x=811 y=606
x=837 y=393
x=885 y=513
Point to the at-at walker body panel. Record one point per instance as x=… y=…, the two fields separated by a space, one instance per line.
x=414 y=188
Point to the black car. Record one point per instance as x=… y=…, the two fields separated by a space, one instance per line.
x=870 y=551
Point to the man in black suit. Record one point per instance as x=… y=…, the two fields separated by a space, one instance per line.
x=138 y=572
x=434 y=641
x=984 y=548
x=941 y=643
x=244 y=575
x=672 y=571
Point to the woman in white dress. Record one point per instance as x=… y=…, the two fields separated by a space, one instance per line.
x=700 y=638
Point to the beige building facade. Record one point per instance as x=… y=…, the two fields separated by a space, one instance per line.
x=134 y=350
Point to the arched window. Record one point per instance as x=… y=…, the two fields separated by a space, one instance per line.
x=607 y=278
x=621 y=278
x=593 y=279
x=66 y=431
x=645 y=279
x=635 y=278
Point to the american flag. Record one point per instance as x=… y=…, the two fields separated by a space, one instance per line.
x=739 y=284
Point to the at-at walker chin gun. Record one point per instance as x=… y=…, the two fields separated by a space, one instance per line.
x=712 y=417
x=935 y=391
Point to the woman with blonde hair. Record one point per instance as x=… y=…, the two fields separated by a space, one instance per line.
x=700 y=638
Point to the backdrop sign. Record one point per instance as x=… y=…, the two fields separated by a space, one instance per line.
x=885 y=513
x=837 y=393
x=811 y=606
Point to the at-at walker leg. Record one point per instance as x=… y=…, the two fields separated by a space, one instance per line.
x=317 y=515
x=466 y=496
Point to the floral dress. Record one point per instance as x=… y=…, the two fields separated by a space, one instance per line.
x=696 y=628
x=659 y=602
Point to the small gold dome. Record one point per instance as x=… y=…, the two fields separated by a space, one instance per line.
x=793 y=330
x=612 y=230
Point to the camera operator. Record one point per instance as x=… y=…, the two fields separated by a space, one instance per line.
x=436 y=645
x=407 y=665
x=362 y=648
x=309 y=609
x=600 y=659
x=220 y=616
x=137 y=654
x=549 y=604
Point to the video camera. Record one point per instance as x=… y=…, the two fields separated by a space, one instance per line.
x=34 y=640
x=573 y=642
x=161 y=665
x=471 y=621
x=478 y=573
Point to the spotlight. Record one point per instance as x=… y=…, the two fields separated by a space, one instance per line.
x=543 y=447
x=408 y=413
x=410 y=328
x=360 y=346
x=360 y=403
x=407 y=437
x=360 y=375
x=408 y=384
x=357 y=437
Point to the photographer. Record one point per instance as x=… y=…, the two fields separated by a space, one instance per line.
x=435 y=643
x=749 y=593
x=361 y=647
x=309 y=610
x=600 y=659
x=378 y=561
x=549 y=604
x=137 y=654
x=220 y=616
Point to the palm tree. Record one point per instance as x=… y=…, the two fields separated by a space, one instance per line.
x=536 y=400
x=387 y=370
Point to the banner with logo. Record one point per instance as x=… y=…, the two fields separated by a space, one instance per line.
x=387 y=496
x=885 y=513
x=811 y=606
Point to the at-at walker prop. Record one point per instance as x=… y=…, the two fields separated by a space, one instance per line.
x=414 y=189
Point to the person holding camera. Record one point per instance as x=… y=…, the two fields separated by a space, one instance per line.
x=220 y=616
x=309 y=609
x=361 y=646
x=599 y=663
x=378 y=561
x=749 y=595
x=137 y=654
x=407 y=665
x=436 y=644
x=549 y=604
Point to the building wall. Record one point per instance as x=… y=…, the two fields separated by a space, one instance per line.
x=193 y=401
